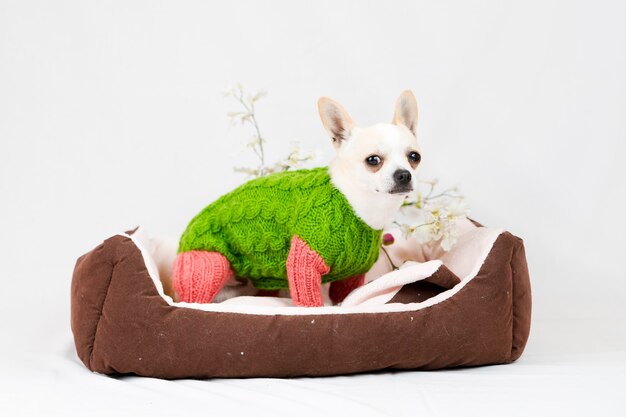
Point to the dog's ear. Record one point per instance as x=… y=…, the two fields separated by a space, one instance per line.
x=335 y=119
x=406 y=111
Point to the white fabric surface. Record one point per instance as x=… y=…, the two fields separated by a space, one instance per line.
x=585 y=376
x=465 y=259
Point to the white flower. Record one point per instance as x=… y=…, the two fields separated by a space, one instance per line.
x=254 y=98
x=295 y=159
x=239 y=116
x=456 y=207
x=253 y=142
x=433 y=219
x=423 y=233
x=235 y=90
x=411 y=214
x=251 y=172
x=407 y=231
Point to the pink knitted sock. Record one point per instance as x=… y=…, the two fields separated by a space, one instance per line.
x=305 y=268
x=339 y=290
x=198 y=275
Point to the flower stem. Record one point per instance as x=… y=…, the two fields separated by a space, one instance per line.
x=389 y=259
x=260 y=152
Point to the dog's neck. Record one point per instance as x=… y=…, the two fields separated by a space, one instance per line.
x=377 y=210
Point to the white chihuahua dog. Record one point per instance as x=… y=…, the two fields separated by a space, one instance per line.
x=299 y=229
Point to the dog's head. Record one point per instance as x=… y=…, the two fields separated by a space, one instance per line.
x=382 y=158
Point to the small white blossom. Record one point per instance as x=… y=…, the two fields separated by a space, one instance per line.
x=254 y=98
x=253 y=142
x=295 y=159
x=407 y=231
x=240 y=117
x=432 y=218
x=251 y=172
x=235 y=90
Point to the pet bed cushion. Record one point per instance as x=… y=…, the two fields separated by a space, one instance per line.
x=470 y=306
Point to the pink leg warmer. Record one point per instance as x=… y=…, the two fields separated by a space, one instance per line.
x=339 y=290
x=198 y=275
x=305 y=268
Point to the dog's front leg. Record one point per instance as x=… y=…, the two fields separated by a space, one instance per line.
x=305 y=268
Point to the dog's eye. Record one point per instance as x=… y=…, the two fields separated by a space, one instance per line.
x=414 y=157
x=373 y=160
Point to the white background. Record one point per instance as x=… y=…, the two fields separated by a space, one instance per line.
x=111 y=116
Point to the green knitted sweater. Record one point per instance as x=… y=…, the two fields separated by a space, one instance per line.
x=252 y=227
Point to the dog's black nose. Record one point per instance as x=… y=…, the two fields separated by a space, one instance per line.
x=402 y=176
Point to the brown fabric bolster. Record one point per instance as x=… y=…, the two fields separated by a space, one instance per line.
x=122 y=325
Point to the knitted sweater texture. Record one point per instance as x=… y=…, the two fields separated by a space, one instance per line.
x=252 y=227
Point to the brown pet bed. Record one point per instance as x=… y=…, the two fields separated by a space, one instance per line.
x=470 y=306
